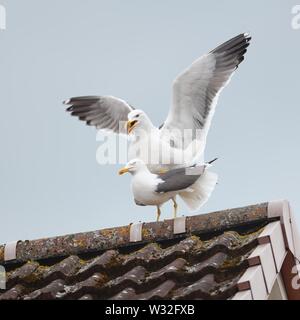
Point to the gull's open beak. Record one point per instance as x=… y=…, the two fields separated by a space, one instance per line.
x=123 y=170
x=130 y=125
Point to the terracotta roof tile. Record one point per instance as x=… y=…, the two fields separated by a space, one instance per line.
x=195 y=265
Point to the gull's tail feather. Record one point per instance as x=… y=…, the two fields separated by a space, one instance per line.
x=197 y=194
x=212 y=161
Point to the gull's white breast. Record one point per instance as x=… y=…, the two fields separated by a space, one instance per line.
x=143 y=187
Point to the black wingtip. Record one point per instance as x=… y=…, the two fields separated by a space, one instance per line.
x=67 y=102
x=241 y=40
x=70 y=109
x=247 y=37
x=212 y=161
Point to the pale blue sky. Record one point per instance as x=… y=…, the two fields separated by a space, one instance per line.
x=51 y=183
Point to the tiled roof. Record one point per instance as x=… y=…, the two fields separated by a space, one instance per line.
x=190 y=268
x=206 y=262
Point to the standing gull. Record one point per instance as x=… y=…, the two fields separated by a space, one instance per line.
x=195 y=95
x=193 y=184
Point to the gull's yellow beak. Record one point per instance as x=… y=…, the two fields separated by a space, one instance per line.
x=130 y=125
x=123 y=170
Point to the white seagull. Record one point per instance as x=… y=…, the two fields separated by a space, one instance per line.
x=193 y=184
x=181 y=140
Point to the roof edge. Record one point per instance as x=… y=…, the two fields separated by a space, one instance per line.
x=119 y=237
x=282 y=241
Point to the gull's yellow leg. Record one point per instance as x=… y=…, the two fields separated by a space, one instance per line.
x=175 y=207
x=158 y=213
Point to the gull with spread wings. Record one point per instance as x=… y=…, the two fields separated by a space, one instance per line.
x=181 y=140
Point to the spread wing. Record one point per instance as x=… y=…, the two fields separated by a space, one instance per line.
x=104 y=112
x=196 y=90
x=179 y=179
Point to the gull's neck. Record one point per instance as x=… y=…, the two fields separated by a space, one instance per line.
x=142 y=171
x=147 y=124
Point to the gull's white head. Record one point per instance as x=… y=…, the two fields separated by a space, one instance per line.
x=133 y=166
x=137 y=119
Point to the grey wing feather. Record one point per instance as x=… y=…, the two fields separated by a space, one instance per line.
x=103 y=112
x=196 y=90
x=179 y=179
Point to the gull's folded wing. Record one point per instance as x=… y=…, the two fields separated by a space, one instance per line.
x=196 y=90
x=179 y=179
x=105 y=112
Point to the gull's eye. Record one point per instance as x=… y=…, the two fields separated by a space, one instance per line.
x=137 y=115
